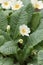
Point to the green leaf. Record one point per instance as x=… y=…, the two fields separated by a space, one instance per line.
x=40 y=57
x=14 y=19
x=30 y=10
x=35 y=21
x=26 y=2
x=41 y=24
x=17 y=64
x=36 y=37
x=39 y=47
x=8 y=48
x=22 y=20
x=6 y=61
x=3 y=21
x=33 y=40
x=32 y=64
x=41 y=13
x=2 y=40
x=5 y=34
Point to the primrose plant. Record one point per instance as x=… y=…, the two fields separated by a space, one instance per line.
x=21 y=32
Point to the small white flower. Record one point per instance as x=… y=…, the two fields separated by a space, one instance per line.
x=24 y=30
x=17 y=5
x=37 y=4
x=13 y=0
x=33 y=1
x=6 y=4
x=21 y=41
x=8 y=27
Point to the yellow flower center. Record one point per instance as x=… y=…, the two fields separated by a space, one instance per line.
x=37 y=5
x=17 y=6
x=6 y=3
x=23 y=30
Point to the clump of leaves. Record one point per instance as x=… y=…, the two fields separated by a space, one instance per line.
x=30 y=52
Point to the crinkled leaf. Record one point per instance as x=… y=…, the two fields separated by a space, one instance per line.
x=41 y=24
x=8 y=48
x=6 y=61
x=33 y=40
x=26 y=2
x=5 y=34
x=36 y=37
x=40 y=57
x=14 y=20
x=17 y=21
x=2 y=40
x=3 y=21
x=30 y=10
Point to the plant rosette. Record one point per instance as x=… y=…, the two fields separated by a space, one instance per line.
x=21 y=32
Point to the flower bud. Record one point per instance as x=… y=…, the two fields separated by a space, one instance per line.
x=34 y=52
x=8 y=27
x=21 y=41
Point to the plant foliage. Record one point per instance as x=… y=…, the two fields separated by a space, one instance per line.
x=30 y=52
